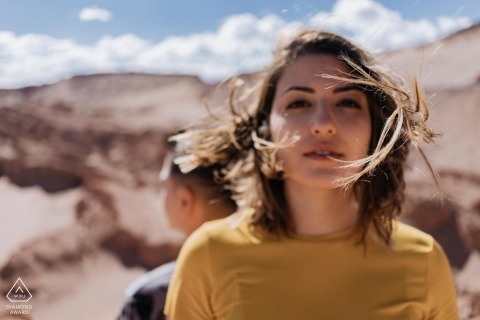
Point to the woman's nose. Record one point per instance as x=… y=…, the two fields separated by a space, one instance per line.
x=323 y=123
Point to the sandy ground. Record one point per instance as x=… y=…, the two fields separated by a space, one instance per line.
x=28 y=213
x=92 y=290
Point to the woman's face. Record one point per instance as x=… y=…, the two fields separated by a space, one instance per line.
x=328 y=118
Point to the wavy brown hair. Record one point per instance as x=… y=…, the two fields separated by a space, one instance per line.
x=241 y=140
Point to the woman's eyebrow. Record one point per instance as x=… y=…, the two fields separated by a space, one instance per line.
x=335 y=90
x=347 y=88
x=298 y=88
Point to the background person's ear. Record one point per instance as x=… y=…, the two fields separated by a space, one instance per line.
x=186 y=200
x=189 y=212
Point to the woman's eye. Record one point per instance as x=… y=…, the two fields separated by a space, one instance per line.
x=349 y=103
x=298 y=104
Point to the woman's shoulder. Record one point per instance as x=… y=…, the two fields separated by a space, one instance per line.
x=409 y=238
x=233 y=229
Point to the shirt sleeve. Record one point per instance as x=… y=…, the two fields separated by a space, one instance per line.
x=441 y=292
x=189 y=293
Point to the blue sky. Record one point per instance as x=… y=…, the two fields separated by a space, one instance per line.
x=46 y=41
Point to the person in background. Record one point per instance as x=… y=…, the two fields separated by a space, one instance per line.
x=316 y=167
x=189 y=200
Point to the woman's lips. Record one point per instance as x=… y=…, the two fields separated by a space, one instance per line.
x=323 y=154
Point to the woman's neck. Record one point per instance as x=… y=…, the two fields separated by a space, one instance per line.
x=321 y=211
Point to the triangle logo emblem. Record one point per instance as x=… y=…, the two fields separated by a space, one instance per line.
x=19 y=292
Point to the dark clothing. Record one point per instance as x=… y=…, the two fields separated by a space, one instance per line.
x=145 y=297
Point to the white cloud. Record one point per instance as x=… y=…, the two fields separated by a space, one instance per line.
x=242 y=43
x=376 y=27
x=94 y=13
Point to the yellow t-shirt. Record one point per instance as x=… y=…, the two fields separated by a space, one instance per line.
x=230 y=272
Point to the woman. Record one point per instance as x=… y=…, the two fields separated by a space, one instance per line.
x=317 y=170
